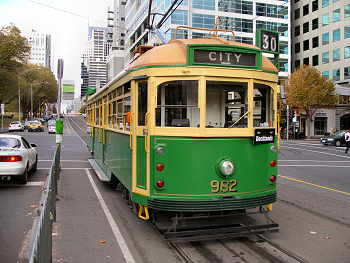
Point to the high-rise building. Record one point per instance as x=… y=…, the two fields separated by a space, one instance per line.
x=244 y=17
x=40 y=52
x=321 y=38
x=93 y=66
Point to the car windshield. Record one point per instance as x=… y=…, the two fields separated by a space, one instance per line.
x=35 y=122
x=15 y=122
x=339 y=133
x=10 y=142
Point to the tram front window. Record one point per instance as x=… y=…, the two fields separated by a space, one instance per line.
x=227 y=104
x=177 y=104
x=263 y=105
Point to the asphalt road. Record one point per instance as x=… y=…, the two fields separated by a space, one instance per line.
x=94 y=224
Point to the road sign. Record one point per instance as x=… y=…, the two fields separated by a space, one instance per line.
x=2 y=109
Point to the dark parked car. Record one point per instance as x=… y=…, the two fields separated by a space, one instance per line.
x=336 y=139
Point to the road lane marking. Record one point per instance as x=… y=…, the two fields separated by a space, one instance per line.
x=120 y=239
x=337 y=155
x=27 y=184
x=286 y=177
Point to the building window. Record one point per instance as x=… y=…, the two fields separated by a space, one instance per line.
x=314 y=42
x=315 y=60
x=284 y=65
x=347 y=31
x=229 y=23
x=346 y=11
x=346 y=52
x=268 y=10
x=325 y=74
x=306 y=61
x=179 y=17
x=336 y=54
x=297 y=31
x=204 y=4
x=235 y=6
x=297 y=48
x=203 y=21
x=325 y=3
x=314 y=5
x=283 y=47
x=297 y=63
x=325 y=58
x=325 y=39
x=325 y=20
x=347 y=73
x=306 y=27
x=336 y=15
x=336 y=35
x=305 y=10
x=314 y=23
x=297 y=13
x=336 y=74
x=306 y=45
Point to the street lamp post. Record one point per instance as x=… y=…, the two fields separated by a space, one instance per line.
x=19 y=92
x=31 y=97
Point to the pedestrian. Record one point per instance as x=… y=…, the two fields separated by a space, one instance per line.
x=347 y=139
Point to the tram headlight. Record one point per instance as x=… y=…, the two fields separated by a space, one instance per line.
x=273 y=148
x=225 y=167
x=160 y=150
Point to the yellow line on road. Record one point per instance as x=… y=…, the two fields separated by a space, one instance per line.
x=67 y=125
x=314 y=185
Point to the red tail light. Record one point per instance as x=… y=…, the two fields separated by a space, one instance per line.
x=273 y=163
x=272 y=178
x=160 y=183
x=15 y=158
x=160 y=167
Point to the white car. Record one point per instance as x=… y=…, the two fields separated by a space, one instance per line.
x=17 y=158
x=16 y=126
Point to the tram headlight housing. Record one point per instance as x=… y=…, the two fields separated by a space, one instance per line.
x=225 y=167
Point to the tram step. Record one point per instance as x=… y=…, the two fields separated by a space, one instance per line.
x=101 y=175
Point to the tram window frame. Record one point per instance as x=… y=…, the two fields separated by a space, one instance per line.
x=226 y=104
x=177 y=103
x=263 y=112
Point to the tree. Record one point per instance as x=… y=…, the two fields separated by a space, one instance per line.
x=43 y=85
x=307 y=89
x=14 y=53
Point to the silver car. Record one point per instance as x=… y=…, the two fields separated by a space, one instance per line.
x=17 y=158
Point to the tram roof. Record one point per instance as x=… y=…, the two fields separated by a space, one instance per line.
x=175 y=53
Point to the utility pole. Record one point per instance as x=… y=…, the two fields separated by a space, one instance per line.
x=59 y=123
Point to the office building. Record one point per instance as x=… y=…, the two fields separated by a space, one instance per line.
x=93 y=66
x=321 y=38
x=40 y=52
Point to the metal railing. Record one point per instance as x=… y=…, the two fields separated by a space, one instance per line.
x=40 y=245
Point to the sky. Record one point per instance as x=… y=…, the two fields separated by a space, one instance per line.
x=66 y=21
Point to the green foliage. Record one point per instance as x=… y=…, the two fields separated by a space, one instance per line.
x=308 y=90
x=16 y=73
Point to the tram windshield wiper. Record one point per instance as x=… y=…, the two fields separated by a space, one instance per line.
x=239 y=119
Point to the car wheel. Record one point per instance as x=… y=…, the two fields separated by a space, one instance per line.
x=35 y=166
x=337 y=143
x=24 y=177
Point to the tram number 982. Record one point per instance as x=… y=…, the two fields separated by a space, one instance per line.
x=223 y=186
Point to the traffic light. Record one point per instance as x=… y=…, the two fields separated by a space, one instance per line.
x=283 y=114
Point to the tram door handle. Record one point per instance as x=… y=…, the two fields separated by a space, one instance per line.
x=146 y=131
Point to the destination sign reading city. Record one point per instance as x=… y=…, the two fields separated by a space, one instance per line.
x=224 y=58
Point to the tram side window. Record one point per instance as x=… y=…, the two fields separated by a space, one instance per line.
x=177 y=104
x=263 y=106
x=227 y=104
x=142 y=102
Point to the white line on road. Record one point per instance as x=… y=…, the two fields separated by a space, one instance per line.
x=122 y=244
x=27 y=184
